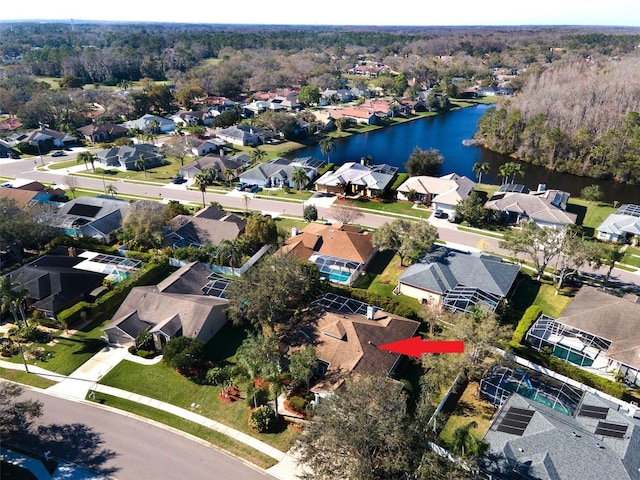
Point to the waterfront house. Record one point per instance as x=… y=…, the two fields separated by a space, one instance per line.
x=354 y=178
x=443 y=192
x=623 y=226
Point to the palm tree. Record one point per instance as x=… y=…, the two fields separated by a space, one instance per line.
x=464 y=442
x=509 y=170
x=480 y=168
x=111 y=190
x=327 y=145
x=201 y=181
x=257 y=155
x=245 y=199
x=229 y=251
x=87 y=157
x=228 y=175
x=300 y=178
x=140 y=164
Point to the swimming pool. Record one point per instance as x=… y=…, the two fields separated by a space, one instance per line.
x=338 y=276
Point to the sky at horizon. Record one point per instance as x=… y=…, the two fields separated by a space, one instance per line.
x=335 y=12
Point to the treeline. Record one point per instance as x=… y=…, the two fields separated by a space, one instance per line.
x=579 y=117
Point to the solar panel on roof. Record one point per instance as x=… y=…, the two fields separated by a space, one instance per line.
x=513 y=187
x=593 y=411
x=629 y=209
x=614 y=430
x=83 y=210
x=515 y=421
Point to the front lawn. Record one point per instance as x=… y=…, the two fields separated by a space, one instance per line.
x=162 y=383
x=67 y=353
x=393 y=207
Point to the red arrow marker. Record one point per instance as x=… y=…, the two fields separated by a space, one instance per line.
x=415 y=347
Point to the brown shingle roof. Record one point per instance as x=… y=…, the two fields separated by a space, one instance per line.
x=339 y=241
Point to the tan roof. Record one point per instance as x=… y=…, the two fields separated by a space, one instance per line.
x=339 y=241
x=348 y=343
x=21 y=197
x=610 y=317
x=447 y=189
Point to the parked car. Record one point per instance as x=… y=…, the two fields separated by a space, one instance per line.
x=439 y=213
x=58 y=153
x=178 y=179
x=240 y=186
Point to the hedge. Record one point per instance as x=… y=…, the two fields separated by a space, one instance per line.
x=568 y=370
x=530 y=316
x=388 y=304
x=144 y=276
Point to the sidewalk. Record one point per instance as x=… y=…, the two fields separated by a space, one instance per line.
x=77 y=385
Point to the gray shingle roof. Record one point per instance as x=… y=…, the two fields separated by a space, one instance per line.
x=549 y=450
x=443 y=269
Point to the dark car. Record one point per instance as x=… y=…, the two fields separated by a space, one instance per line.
x=440 y=214
x=178 y=179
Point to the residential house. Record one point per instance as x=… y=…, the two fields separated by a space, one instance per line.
x=276 y=101
x=173 y=308
x=196 y=144
x=346 y=334
x=209 y=226
x=530 y=439
x=597 y=331
x=219 y=163
x=65 y=276
x=443 y=193
x=43 y=138
x=341 y=252
x=6 y=150
x=458 y=280
x=494 y=90
x=97 y=217
x=102 y=132
x=342 y=95
x=623 y=226
x=187 y=118
x=368 y=69
x=354 y=178
x=546 y=208
x=10 y=124
x=357 y=114
x=29 y=192
x=245 y=135
x=279 y=172
x=150 y=122
x=125 y=156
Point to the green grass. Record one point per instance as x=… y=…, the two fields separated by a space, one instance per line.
x=62 y=165
x=531 y=292
x=632 y=256
x=590 y=214
x=280 y=194
x=164 y=384
x=69 y=353
x=24 y=378
x=393 y=207
x=220 y=440
x=480 y=231
x=469 y=408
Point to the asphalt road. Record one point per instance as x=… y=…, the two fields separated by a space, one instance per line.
x=25 y=169
x=123 y=447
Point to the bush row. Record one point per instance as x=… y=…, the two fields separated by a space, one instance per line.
x=144 y=276
x=388 y=304
x=530 y=316
x=567 y=369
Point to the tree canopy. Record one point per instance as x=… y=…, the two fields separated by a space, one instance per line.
x=409 y=239
x=424 y=162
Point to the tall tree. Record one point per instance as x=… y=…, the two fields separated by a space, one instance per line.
x=201 y=182
x=345 y=213
x=229 y=253
x=87 y=158
x=12 y=299
x=270 y=292
x=424 y=162
x=143 y=224
x=362 y=432
x=299 y=178
x=309 y=95
x=509 y=170
x=606 y=256
x=538 y=245
x=302 y=366
x=407 y=238
x=574 y=252
x=258 y=155
x=327 y=145
x=480 y=168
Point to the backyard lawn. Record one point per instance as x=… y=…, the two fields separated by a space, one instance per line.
x=468 y=408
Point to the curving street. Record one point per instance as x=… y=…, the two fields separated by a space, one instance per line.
x=121 y=446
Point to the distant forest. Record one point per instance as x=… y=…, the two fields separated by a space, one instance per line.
x=575 y=107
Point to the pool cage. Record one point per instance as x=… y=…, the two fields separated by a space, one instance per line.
x=463 y=299
x=216 y=286
x=502 y=381
x=335 y=269
x=567 y=343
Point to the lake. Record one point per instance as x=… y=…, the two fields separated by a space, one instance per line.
x=445 y=133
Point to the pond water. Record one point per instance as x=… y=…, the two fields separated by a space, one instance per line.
x=445 y=133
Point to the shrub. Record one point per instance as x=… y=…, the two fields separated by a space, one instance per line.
x=310 y=213
x=530 y=316
x=263 y=419
x=298 y=404
x=217 y=376
x=9 y=349
x=33 y=334
x=73 y=315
